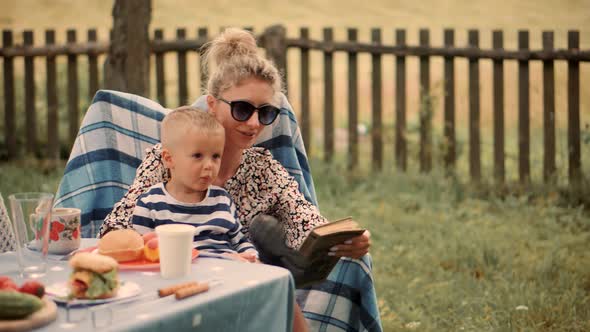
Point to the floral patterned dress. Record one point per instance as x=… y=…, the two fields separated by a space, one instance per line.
x=261 y=185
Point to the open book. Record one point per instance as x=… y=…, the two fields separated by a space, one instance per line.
x=316 y=264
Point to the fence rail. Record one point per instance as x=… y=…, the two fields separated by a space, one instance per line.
x=276 y=43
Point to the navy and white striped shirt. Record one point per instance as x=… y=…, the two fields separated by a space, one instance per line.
x=217 y=227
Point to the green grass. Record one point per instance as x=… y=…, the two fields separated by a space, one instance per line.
x=447 y=257
x=29 y=175
x=448 y=260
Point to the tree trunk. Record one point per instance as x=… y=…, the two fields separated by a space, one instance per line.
x=127 y=66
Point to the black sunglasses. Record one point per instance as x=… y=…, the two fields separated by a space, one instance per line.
x=242 y=111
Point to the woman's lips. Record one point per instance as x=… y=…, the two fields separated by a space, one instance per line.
x=247 y=133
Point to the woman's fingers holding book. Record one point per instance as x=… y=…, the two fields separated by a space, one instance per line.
x=354 y=248
x=350 y=251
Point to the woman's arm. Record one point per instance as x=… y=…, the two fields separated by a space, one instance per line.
x=300 y=216
x=290 y=207
x=150 y=172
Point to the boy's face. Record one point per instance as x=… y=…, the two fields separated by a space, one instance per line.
x=195 y=159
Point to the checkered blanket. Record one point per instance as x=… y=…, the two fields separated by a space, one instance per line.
x=111 y=143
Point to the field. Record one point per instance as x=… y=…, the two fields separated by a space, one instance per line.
x=485 y=16
x=447 y=256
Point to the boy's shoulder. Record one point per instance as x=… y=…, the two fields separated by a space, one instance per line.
x=156 y=189
x=215 y=191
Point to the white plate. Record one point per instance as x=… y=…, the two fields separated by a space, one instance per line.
x=59 y=292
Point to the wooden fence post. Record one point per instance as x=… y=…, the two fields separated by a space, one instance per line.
x=353 y=93
x=52 y=101
x=182 y=72
x=127 y=67
x=30 y=114
x=523 y=111
x=449 y=103
x=305 y=109
x=548 y=112
x=93 y=84
x=328 y=97
x=425 y=107
x=202 y=33
x=474 y=114
x=498 y=105
x=401 y=155
x=573 y=111
x=9 y=96
x=376 y=114
x=73 y=92
x=275 y=44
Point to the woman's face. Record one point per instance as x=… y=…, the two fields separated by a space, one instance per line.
x=241 y=134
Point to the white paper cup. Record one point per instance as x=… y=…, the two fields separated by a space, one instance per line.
x=176 y=245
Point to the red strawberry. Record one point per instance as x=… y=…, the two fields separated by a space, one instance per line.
x=7 y=284
x=33 y=287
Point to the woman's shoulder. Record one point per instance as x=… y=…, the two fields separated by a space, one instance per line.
x=258 y=153
x=260 y=161
x=257 y=156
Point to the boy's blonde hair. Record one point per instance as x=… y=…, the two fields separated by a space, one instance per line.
x=178 y=122
x=235 y=55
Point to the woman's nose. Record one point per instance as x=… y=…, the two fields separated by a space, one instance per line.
x=253 y=120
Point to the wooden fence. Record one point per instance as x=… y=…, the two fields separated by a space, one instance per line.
x=276 y=44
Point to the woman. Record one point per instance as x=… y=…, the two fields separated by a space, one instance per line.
x=242 y=92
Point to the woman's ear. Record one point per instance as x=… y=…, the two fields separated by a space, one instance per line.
x=211 y=101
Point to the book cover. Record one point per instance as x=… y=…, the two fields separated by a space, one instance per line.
x=314 y=250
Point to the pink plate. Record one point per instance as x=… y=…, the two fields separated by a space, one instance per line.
x=140 y=264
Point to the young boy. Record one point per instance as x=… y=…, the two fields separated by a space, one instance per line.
x=192 y=146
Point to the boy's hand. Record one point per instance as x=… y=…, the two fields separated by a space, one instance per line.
x=249 y=256
x=243 y=257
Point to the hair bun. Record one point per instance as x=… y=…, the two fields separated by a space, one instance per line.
x=231 y=43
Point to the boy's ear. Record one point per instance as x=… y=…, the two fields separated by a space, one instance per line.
x=167 y=158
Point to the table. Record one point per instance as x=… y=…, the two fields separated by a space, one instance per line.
x=250 y=297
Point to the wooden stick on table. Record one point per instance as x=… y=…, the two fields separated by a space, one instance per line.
x=192 y=290
x=174 y=288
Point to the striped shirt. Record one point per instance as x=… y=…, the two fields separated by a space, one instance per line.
x=215 y=218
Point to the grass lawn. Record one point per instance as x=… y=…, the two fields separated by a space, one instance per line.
x=446 y=258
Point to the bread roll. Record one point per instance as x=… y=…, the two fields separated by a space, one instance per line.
x=93 y=262
x=123 y=245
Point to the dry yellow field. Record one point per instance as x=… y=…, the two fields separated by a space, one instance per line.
x=508 y=15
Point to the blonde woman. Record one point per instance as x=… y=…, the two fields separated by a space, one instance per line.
x=244 y=94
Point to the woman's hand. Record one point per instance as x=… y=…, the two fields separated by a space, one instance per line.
x=356 y=247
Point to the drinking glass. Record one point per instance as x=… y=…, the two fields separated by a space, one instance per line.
x=31 y=215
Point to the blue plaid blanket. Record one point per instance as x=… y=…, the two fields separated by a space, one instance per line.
x=119 y=127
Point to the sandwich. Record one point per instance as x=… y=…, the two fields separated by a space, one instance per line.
x=93 y=276
x=123 y=245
